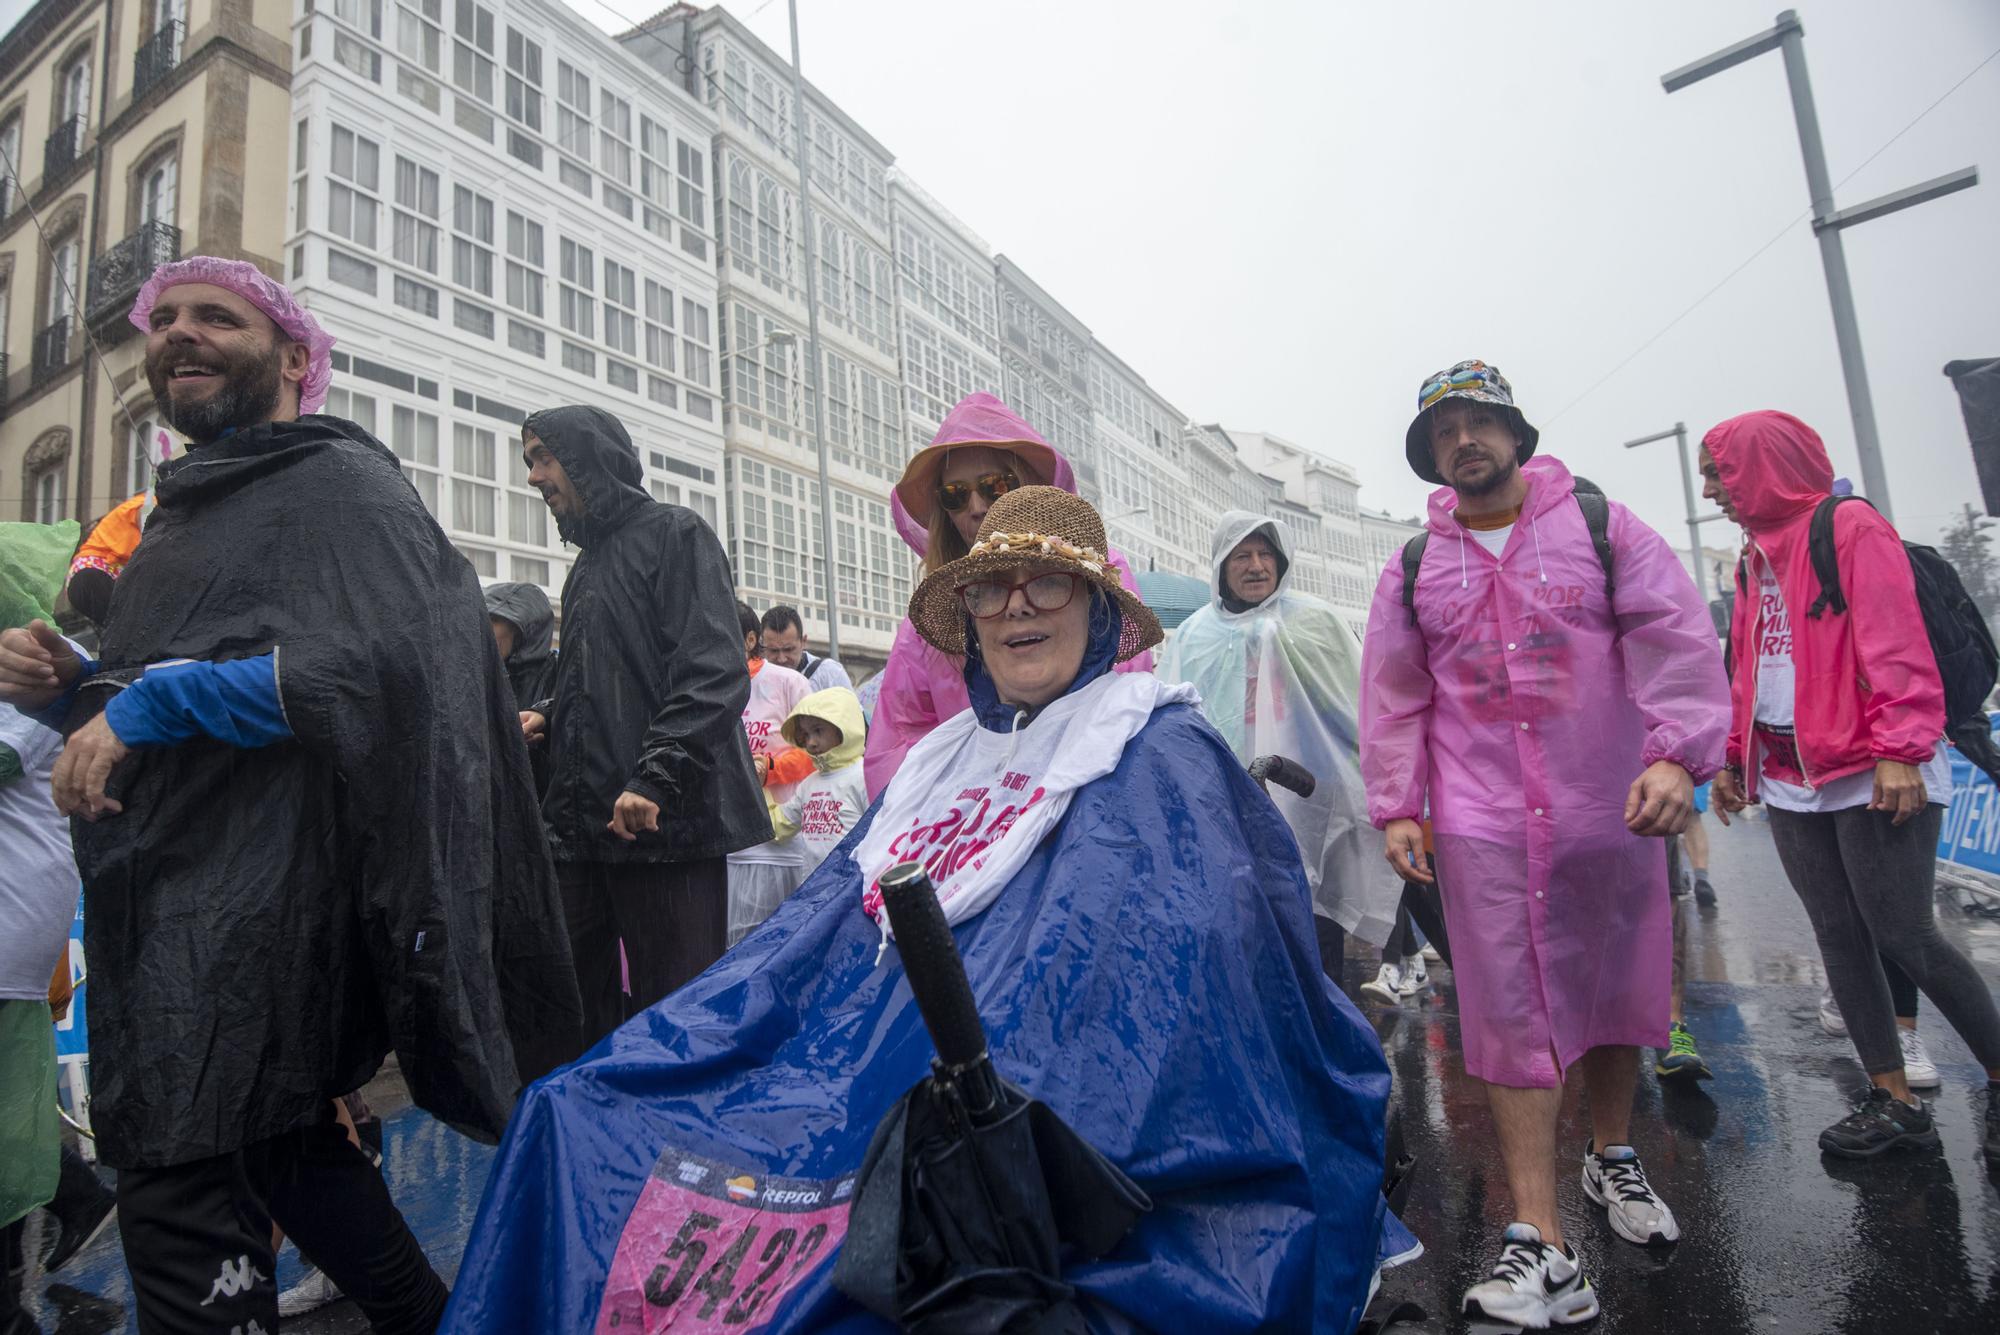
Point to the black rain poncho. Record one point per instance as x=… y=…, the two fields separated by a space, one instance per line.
x=651 y=683
x=264 y=925
x=526 y=608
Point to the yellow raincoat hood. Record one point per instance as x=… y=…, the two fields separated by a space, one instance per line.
x=840 y=707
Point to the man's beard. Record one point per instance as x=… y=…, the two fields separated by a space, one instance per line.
x=249 y=397
x=1502 y=474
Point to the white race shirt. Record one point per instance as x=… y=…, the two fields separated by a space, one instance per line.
x=1776 y=697
x=38 y=886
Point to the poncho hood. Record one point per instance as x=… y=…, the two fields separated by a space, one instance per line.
x=979 y=421
x=595 y=450
x=1234 y=527
x=526 y=608
x=842 y=708
x=1775 y=467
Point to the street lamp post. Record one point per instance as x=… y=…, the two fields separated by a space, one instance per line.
x=1788 y=36
x=1679 y=432
x=812 y=340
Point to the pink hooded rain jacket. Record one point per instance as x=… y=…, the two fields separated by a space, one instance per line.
x=922 y=687
x=1519 y=709
x=1867 y=684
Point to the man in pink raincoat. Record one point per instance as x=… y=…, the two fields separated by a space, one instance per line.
x=981 y=451
x=1552 y=709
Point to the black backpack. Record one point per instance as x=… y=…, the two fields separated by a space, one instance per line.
x=1967 y=658
x=1596 y=518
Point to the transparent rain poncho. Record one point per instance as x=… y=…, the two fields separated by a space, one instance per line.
x=1284 y=678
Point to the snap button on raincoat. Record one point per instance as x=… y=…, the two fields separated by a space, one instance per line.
x=1284 y=677
x=1521 y=707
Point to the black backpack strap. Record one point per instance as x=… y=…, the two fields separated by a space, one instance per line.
x=811 y=669
x=1826 y=567
x=1597 y=518
x=1413 y=560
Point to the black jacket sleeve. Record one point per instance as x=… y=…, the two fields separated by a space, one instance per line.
x=698 y=726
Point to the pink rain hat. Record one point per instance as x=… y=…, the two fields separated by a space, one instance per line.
x=979 y=420
x=267 y=295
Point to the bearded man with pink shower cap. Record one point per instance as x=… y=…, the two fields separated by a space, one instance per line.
x=304 y=819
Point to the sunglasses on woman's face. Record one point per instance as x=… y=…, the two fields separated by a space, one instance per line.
x=955 y=496
x=988 y=598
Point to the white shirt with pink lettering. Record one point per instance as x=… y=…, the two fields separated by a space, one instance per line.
x=972 y=804
x=774 y=693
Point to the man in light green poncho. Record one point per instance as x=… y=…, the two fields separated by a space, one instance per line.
x=1279 y=673
x=37 y=899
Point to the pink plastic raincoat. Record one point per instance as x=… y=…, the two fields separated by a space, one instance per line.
x=922 y=687
x=1522 y=706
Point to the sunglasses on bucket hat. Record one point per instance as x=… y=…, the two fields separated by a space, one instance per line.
x=955 y=496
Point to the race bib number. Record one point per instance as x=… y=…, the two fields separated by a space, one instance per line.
x=710 y=1248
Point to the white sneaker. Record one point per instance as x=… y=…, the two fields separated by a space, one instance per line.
x=1386 y=986
x=1616 y=1180
x=308 y=1295
x=1533 y=1285
x=1918 y=1068
x=1416 y=978
x=1430 y=952
x=1830 y=1018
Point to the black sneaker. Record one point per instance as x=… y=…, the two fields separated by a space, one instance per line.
x=1879 y=1123
x=1704 y=893
x=83 y=1208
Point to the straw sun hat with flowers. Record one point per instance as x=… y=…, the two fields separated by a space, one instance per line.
x=1046 y=526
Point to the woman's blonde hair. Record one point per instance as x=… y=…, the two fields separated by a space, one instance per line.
x=945 y=544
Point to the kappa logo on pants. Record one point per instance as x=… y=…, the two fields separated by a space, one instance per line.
x=237 y=1277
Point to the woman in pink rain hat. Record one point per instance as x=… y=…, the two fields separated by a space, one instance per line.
x=981 y=452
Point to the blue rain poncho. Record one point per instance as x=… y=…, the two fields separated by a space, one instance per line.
x=1284 y=678
x=1150 y=973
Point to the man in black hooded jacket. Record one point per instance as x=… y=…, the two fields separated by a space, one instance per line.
x=304 y=822
x=652 y=784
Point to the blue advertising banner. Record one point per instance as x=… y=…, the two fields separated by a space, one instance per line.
x=73 y=1030
x=1971 y=833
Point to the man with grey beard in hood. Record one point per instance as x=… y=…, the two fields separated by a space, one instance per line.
x=651 y=779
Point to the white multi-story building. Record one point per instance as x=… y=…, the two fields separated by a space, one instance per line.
x=947 y=306
x=1138 y=453
x=771 y=468
x=1045 y=370
x=495 y=209
x=1326 y=519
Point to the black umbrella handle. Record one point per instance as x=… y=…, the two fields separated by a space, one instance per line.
x=930 y=957
x=1285 y=773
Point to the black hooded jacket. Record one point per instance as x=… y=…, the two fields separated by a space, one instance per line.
x=526 y=608
x=265 y=924
x=650 y=686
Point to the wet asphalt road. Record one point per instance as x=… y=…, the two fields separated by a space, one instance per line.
x=1776 y=1240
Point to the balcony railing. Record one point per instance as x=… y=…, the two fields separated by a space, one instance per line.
x=117 y=274
x=64 y=147
x=53 y=346
x=156 y=58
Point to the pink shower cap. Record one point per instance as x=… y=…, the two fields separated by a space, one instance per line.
x=267 y=295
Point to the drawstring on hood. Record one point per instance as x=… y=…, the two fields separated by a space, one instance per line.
x=602 y=464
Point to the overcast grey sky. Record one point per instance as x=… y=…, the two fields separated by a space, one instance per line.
x=1285 y=215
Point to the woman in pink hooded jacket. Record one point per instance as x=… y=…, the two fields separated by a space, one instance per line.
x=1837 y=726
x=982 y=451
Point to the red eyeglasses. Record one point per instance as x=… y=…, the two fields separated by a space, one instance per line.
x=988 y=598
